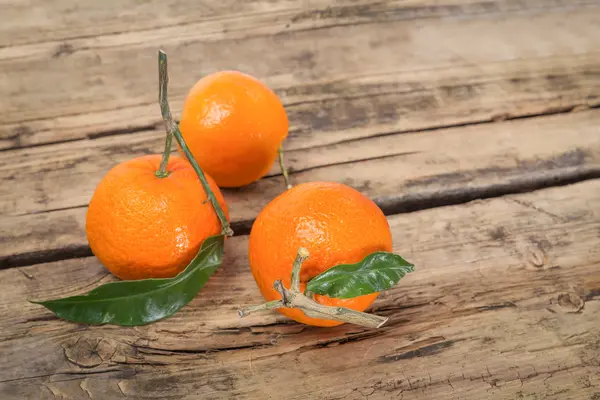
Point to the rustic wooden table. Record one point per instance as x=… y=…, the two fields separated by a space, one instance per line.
x=472 y=123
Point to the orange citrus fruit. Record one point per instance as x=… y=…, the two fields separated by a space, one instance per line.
x=233 y=124
x=336 y=223
x=142 y=226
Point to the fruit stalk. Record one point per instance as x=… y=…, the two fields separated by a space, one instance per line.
x=162 y=170
x=165 y=111
x=271 y=305
x=173 y=130
x=300 y=258
x=293 y=298
x=284 y=170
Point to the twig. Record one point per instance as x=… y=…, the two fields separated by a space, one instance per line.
x=293 y=298
x=284 y=170
x=173 y=129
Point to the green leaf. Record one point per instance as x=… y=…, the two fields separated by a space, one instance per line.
x=132 y=303
x=376 y=272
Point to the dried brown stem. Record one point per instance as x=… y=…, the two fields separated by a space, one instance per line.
x=293 y=298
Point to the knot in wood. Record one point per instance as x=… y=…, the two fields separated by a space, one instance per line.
x=570 y=302
x=536 y=258
x=88 y=352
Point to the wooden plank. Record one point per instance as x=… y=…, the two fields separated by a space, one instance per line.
x=36 y=21
x=504 y=304
x=428 y=76
x=45 y=218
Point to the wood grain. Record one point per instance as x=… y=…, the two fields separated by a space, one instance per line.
x=66 y=21
x=419 y=104
x=35 y=22
x=503 y=304
x=45 y=218
x=342 y=72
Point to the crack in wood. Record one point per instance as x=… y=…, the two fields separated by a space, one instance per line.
x=592 y=295
x=45 y=256
x=121 y=388
x=390 y=205
x=68 y=373
x=382 y=157
x=538 y=209
x=85 y=390
x=419 y=352
x=493 y=307
x=204 y=352
x=326 y=343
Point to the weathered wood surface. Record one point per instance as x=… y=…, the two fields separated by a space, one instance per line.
x=45 y=218
x=339 y=91
x=354 y=69
x=422 y=105
x=504 y=304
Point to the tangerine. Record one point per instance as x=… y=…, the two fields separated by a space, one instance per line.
x=337 y=225
x=142 y=226
x=234 y=125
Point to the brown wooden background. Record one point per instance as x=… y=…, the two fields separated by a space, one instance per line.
x=472 y=123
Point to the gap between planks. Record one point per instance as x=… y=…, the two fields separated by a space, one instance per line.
x=389 y=206
x=433 y=172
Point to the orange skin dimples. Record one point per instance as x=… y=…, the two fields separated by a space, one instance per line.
x=142 y=226
x=336 y=223
x=233 y=125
